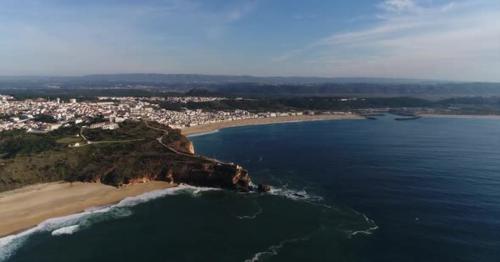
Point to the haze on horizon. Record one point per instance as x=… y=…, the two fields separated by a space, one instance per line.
x=418 y=39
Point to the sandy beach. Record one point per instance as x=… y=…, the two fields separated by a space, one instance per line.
x=26 y=207
x=264 y=121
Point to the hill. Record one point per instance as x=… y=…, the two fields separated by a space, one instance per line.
x=135 y=152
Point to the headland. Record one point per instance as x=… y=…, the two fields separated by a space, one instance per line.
x=75 y=168
x=154 y=157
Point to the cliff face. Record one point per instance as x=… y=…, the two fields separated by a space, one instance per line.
x=182 y=144
x=210 y=175
x=149 y=151
x=176 y=168
x=192 y=172
x=197 y=170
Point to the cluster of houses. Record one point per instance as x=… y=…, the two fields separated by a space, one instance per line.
x=22 y=114
x=171 y=99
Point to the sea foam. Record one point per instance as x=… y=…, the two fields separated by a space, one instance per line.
x=298 y=195
x=65 y=230
x=259 y=211
x=367 y=231
x=302 y=195
x=274 y=249
x=70 y=224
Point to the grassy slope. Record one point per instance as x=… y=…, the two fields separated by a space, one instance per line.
x=30 y=158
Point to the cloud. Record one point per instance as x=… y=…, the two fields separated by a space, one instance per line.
x=108 y=36
x=241 y=11
x=445 y=39
x=453 y=40
x=398 y=5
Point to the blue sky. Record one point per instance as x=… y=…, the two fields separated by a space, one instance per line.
x=429 y=39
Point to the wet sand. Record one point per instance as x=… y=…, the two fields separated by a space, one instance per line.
x=26 y=207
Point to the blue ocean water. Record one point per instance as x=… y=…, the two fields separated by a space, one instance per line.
x=385 y=190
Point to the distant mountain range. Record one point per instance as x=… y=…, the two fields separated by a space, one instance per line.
x=211 y=79
x=255 y=86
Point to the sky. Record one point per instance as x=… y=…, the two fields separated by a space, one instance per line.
x=419 y=39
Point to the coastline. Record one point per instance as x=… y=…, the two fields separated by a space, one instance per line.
x=44 y=201
x=41 y=202
x=214 y=127
x=461 y=116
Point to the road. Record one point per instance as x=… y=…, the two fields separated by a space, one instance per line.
x=171 y=149
x=89 y=142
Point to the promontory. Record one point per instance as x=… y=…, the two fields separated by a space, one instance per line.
x=128 y=153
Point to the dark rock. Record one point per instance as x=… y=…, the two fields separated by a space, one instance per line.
x=261 y=188
x=212 y=174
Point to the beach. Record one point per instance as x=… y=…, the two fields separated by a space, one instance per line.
x=26 y=207
x=208 y=128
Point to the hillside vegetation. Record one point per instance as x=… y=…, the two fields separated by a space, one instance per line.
x=115 y=157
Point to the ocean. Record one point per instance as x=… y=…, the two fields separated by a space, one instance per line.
x=350 y=190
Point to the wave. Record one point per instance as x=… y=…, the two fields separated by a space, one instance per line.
x=76 y=222
x=303 y=195
x=298 y=195
x=285 y=192
x=274 y=249
x=368 y=231
x=10 y=244
x=69 y=230
x=260 y=211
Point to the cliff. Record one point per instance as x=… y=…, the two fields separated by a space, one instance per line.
x=136 y=152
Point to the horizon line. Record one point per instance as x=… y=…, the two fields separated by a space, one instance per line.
x=252 y=76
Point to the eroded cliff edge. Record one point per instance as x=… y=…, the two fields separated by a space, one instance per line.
x=136 y=152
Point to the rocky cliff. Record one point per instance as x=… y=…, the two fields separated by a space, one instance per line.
x=136 y=152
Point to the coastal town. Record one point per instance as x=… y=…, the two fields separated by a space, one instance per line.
x=44 y=115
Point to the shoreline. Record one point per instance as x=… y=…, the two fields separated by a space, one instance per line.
x=460 y=116
x=41 y=202
x=214 y=127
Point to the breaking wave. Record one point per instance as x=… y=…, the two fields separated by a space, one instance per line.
x=72 y=223
x=274 y=249
x=303 y=195
x=295 y=194
x=65 y=230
